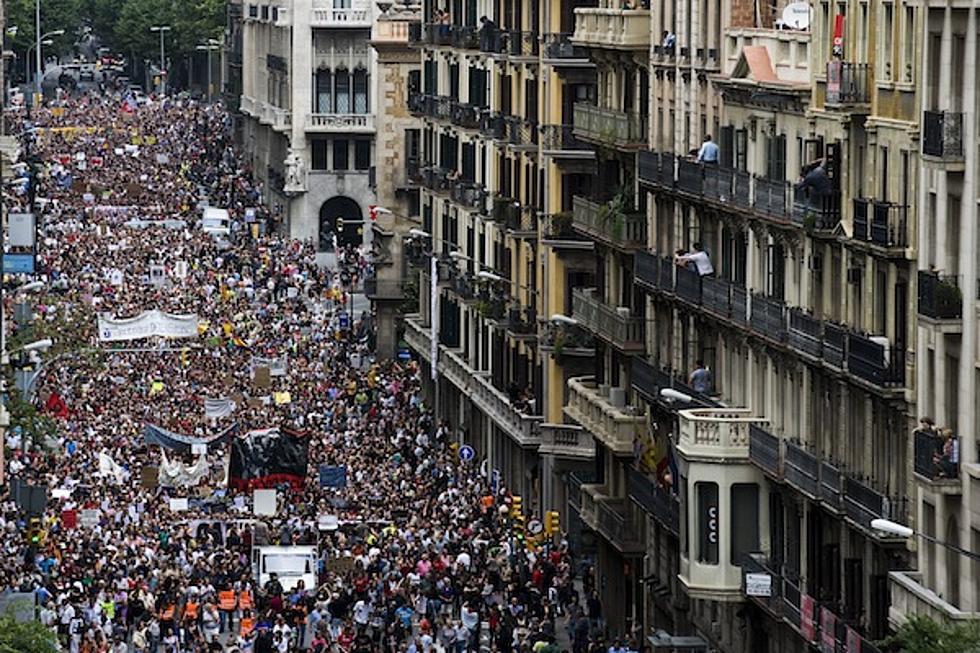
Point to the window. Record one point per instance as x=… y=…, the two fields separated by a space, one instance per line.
x=320 y=154
x=708 y=521
x=776 y=165
x=745 y=521
x=360 y=91
x=909 y=41
x=886 y=41
x=741 y=149
x=324 y=92
x=362 y=154
x=342 y=92
x=340 y=155
x=884 y=175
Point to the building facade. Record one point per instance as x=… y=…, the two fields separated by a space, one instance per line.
x=720 y=444
x=309 y=104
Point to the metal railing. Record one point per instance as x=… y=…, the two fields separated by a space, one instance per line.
x=862 y=503
x=559 y=226
x=558 y=138
x=939 y=295
x=801 y=469
x=662 y=504
x=880 y=364
x=848 y=83
x=942 y=134
x=931 y=459
x=493 y=125
x=805 y=332
x=466 y=37
x=625 y=230
x=882 y=223
x=559 y=46
x=765 y=450
x=609 y=125
x=465 y=115
x=615 y=324
x=470 y=194
x=522 y=44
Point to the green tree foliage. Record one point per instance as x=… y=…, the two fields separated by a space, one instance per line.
x=27 y=637
x=55 y=15
x=920 y=634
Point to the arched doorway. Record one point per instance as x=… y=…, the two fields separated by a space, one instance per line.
x=332 y=212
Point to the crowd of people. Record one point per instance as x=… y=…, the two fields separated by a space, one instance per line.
x=422 y=555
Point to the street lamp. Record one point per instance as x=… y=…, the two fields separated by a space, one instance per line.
x=564 y=319
x=41 y=40
x=212 y=44
x=162 y=29
x=889 y=527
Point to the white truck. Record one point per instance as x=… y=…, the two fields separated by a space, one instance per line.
x=216 y=221
x=291 y=564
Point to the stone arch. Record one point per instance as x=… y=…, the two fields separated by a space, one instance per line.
x=332 y=212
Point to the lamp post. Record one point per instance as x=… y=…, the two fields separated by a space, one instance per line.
x=41 y=40
x=900 y=530
x=162 y=29
x=27 y=57
x=211 y=45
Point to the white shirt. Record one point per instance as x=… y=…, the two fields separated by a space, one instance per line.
x=702 y=261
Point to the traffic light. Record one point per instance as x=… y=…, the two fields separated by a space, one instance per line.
x=515 y=507
x=552 y=525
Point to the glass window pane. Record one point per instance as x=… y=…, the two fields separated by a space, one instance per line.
x=360 y=91
x=744 y=521
x=340 y=155
x=323 y=92
x=362 y=154
x=343 y=92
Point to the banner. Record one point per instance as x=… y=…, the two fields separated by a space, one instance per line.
x=278 y=366
x=146 y=325
x=218 y=408
x=183 y=443
x=269 y=457
x=174 y=473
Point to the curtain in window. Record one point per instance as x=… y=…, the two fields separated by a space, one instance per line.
x=323 y=92
x=360 y=91
x=343 y=91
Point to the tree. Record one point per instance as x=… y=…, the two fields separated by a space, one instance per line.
x=55 y=15
x=920 y=634
x=25 y=637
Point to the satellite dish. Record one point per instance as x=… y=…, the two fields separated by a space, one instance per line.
x=796 y=15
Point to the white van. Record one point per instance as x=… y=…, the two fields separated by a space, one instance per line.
x=216 y=221
x=291 y=564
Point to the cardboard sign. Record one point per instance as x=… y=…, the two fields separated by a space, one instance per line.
x=133 y=189
x=149 y=477
x=255 y=402
x=263 y=377
x=199 y=449
x=179 y=505
x=90 y=517
x=340 y=565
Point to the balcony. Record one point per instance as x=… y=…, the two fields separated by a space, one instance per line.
x=566 y=441
x=615 y=325
x=939 y=296
x=468 y=194
x=416 y=103
x=395 y=32
x=559 y=340
x=522 y=223
x=765 y=451
x=909 y=596
x=848 y=84
x=883 y=224
x=465 y=37
x=609 y=126
x=384 y=289
x=805 y=333
x=492 y=125
x=560 y=141
x=325 y=15
x=465 y=115
x=613 y=29
x=802 y=469
x=660 y=503
x=435 y=178
x=557 y=49
x=613 y=423
x=655 y=168
x=609 y=224
x=522 y=44
x=768 y=317
x=613 y=518
x=942 y=135
x=351 y=123
x=932 y=463
x=758 y=565
x=713 y=433
x=872 y=359
x=862 y=504
x=648 y=380
x=654 y=272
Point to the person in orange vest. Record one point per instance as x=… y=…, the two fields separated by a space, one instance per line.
x=192 y=610
x=227 y=604
x=247 y=623
x=245 y=601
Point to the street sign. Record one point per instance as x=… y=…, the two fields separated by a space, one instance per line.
x=18 y=263
x=466 y=453
x=535 y=527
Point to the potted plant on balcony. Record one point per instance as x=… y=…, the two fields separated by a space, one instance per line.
x=613 y=213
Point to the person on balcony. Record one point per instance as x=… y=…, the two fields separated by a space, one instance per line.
x=700 y=259
x=700 y=378
x=708 y=152
x=488 y=34
x=815 y=180
x=949 y=460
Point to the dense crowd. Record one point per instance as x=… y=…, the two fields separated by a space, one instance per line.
x=424 y=556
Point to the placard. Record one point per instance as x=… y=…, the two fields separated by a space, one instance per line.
x=263 y=377
x=179 y=505
x=264 y=502
x=758 y=585
x=69 y=519
x=199 y=449
x=21 y=229
x=90 y=517
x=149 y=477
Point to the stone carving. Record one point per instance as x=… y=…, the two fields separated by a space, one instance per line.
x=295 y=173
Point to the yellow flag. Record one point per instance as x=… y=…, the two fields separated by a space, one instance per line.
x=156 y=387
x=282 y=398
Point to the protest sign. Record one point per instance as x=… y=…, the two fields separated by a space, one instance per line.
x=149 y=476
x=331 y=476
x=264 y=502
x=90 y=517
x=146 y=325
x=179 y=505
x=263 y=377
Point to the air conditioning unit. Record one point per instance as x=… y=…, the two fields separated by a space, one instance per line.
x=854 y=275
x=617 y=397
x=886 y=344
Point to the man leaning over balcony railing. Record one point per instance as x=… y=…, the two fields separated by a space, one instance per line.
x=815 y=179
x=698 y=257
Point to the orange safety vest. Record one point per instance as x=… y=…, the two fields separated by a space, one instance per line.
x=226 y=600
x=168 y=613
x=190 y=610
x=247 y=625
x=245 y=600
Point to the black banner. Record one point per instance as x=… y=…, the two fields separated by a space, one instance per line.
x=265 y=459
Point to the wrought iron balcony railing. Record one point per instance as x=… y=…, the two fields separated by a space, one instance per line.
x=940 y=297
x=942 y=134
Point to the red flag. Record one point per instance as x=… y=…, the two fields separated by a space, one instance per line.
x=69 y=519
x=56 y=405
